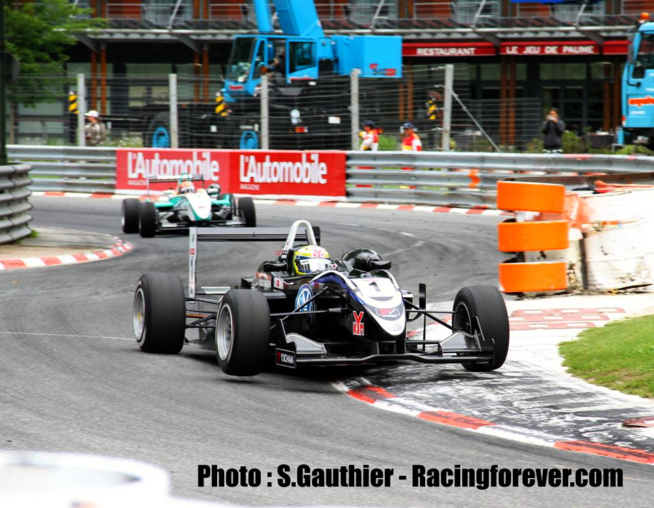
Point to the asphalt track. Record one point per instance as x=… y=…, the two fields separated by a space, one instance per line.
x=73 y=379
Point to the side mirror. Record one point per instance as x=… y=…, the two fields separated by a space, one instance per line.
x=274 y=266
x=379 y=265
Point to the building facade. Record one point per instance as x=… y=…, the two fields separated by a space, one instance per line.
x=560 y=53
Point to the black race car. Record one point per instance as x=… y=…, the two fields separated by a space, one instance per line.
x=350 y=311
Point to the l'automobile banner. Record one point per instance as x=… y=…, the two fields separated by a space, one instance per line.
x=135 y=165
x=288 y=173
x=243 y=172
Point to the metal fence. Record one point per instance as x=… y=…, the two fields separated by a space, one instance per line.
x=14 y=206
x=429 y=178
x=136 y=112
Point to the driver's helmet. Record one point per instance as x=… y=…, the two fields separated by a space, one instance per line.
x=310 y=259
x=185 y=184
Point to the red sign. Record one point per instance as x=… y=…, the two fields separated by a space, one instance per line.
x=549 y=48
x=289 y=173
x=615 y=47
x=357 y=324
x=135 y=165
x=428 y=49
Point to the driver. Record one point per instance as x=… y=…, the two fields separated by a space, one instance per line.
x=185 y=184
x=311 y=259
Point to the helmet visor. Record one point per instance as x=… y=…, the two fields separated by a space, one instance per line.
x=313 y=265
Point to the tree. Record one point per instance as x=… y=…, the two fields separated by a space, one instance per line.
x=38 y=33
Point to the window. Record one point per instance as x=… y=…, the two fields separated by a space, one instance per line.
x=239 y=63
x=303 y=56
x=645 y=58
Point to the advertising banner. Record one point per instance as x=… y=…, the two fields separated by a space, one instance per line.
x=288 y=173
x=256 y=172
x=135 y=165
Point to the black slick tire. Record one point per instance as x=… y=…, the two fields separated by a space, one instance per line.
x=147 y=220
x=247 y=211
x=485 y=304
x=242 y=332
x=130 y=215
x=159 y=313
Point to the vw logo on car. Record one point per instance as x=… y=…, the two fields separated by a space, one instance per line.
x=303 y=296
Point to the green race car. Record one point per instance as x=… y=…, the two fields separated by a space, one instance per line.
x=186 y=207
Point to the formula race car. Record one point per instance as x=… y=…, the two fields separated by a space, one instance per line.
x=186 y=207
x=305 y=308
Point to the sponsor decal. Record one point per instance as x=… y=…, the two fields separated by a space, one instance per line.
x=279 y=283
x=263 y=280
x=641 y=101
x=357 y=325
x=303 y=296
x=285 y=358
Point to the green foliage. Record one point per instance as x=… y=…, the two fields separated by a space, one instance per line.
x=634 y=150
x=387 y=143
x=573 y=143
x=534 y=146
x=38 y=35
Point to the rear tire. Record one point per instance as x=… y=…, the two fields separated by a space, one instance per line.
x=159 y=313
x=247 y=211
x=130 y=215
x=486 y=304
x=147 y=220
x=242 y=332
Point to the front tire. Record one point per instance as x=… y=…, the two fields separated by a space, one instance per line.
x=130 y=216
x=147 y=220
x=242 y=332
x=247 y=211
x=159 y=313
x=485 y=305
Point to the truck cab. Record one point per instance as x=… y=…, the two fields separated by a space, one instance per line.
x=638 y=88
x=286 y=60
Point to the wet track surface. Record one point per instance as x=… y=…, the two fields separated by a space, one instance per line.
x=73 y=379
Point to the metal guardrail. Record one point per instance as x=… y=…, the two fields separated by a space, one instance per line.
x=466 y=179
x=431 y=178
x=14 y=206
x=68 y=168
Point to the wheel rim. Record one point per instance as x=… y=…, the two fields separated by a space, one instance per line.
x=462 y=319
x=224 y=332
x=139 y=314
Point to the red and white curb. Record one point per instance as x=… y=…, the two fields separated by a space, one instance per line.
x=382 y=399
x=311 y=204
x=118 y=249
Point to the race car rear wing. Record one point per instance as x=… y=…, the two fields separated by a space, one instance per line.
x=259 y=234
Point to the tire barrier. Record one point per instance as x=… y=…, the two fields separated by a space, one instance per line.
x=517 y=276
x=14 y=204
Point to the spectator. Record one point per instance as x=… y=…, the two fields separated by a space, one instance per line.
x=369 y=137
x=94 y=131
x=553 y=128
x=411 y=141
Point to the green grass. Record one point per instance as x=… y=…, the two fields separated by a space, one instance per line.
x=619 y=356
x=33 y=234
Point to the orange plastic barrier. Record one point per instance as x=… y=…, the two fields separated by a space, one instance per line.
x=532 y=236
x=530 y=197
x=533 y=277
